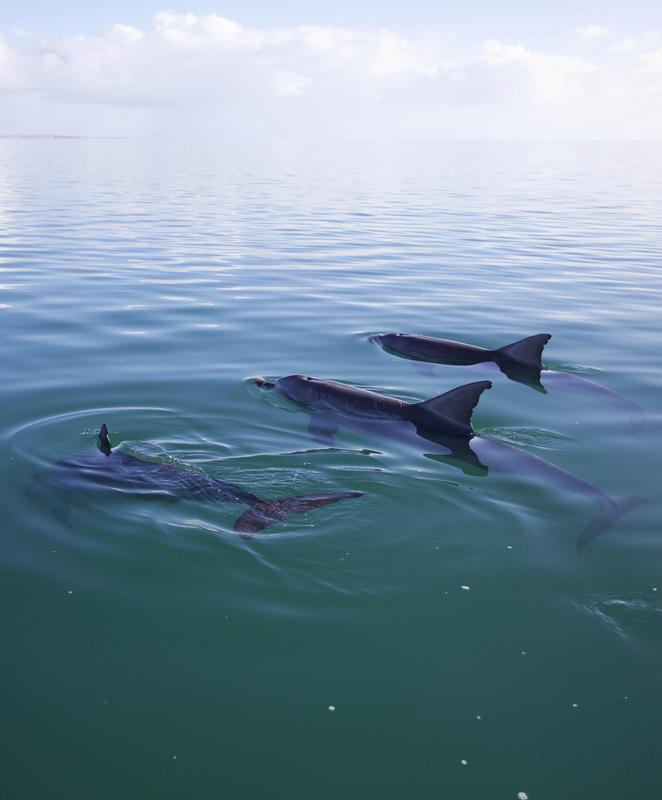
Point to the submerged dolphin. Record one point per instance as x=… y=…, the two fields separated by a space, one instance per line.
x=520 y=361
x=114 y=470
x=442 y=423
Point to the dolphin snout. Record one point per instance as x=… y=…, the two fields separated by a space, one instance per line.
x=263 y=383
x=386 y=339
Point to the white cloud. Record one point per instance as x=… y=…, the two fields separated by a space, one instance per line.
x=591 y=33
x=541 y=78
x=194 y=72
x=634 y=44
x=289 y=84
x=11 y=68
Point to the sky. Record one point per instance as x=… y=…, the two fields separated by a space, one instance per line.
x=420 y=69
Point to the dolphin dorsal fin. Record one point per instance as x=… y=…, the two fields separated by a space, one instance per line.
x=526 y=351
x=450 y=412
x=104 y=440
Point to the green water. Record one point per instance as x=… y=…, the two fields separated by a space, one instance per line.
x=149 y=652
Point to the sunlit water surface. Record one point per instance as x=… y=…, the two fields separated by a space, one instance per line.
x=438 y=637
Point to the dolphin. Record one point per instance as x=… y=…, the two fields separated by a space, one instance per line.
x=114 y=470
x=520 y=361
x=444 y=425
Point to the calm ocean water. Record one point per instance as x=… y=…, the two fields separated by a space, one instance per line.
x=438 y=637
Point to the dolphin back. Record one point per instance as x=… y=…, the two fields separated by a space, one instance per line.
x=266 y=512
x=525 y=352
x=450 y=412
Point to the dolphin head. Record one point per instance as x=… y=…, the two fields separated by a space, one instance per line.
x=403 y=343
x=388 y=340
x=300 y=388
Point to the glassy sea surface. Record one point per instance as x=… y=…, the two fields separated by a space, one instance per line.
x=438 y=637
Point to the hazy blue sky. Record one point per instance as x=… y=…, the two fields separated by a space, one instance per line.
x=421 y=69
x=476 y=17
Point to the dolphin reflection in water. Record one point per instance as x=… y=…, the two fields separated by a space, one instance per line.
x=114 y=470
x=443 y=425
x=520 y=361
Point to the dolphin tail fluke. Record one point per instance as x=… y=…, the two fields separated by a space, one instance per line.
x=526 y=352
x=266 y=512
x=611 y=509
x=450 y=412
